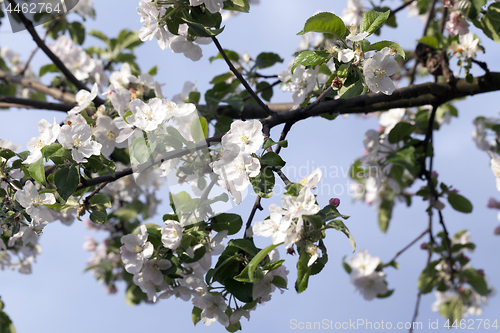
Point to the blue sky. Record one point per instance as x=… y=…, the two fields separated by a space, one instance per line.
x=59 y=297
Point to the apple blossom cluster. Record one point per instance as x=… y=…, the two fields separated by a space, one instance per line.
x=366 y=276
x=286 y=224
x=466 y=294
x=77 y=60
x=237 y=164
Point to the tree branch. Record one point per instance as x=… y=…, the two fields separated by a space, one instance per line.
x=62 y=96
x=241 y=78
x=11 y=101
x=168 y=156
x=55 y=59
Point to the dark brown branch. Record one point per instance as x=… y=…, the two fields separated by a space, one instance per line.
x=55 y=59
x=12 y=101
x=403 y=6
x=412 y=96
x=168 y=156
x=240 y=77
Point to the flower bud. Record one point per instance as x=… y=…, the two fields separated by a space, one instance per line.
x=335 y=202
x=497 y=231
x=423 y=246
x=480 y=272
x=337 y=83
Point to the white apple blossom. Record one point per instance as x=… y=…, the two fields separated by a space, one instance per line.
x=274 y=226
x=214 y=6
x=147 y=116
x=467 y=47
x=151 y=29
x=363 y=264
x=186 y=90
x=391 y=118
x=84 y=98
x=378 y=70
x=364 y=276
x=171 y=234
x=495 y=167
x=48 y=135
x=353 y=13
x=135 y=250
x=78 y=139
x=122 y=78
x=313 y=179
x=213 y=307
x=354 y=34
x=185 y=43
x=106 y=134
x=34 y=229
x=34 y=202
x=247 y=135
x=302 y=82
x=234 y=170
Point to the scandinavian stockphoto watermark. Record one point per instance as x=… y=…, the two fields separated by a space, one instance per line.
x=37 y=11
x=381 y=325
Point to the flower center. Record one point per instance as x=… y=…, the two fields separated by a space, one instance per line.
x=380 y=73
x=37 y=201
x=245 y=139
x=77 y=143
x=111 y=135
x=39 y=143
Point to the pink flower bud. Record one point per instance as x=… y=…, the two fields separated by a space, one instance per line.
x=454 y=191
x=435 y=174
x=480 y=272
x=423 y=246
x=335 y=202
x=497 y=231
x=492 y=203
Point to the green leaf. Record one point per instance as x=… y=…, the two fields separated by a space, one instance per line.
x=279 y=282
x=475 y=8
x=230 y=222
x=373 y=20
x=401 y=131
x=310 y=58
x=430 y=41
x=77 y=32
x=490 y=22
x=303 y=272
x=246 y=245
x=234 y=56
x=255 y=262
x=199 y=129
x=37 y=171
x=237 y=5
x=109 y=165
x=66 y=180
x=352 y=90
x=387 y=294
x=385 y=43
x=459 y=203
x=201 y=30
x=267 y=59
x=325 y=22
x=404 y=157
x=100 y=199
x=340 y=226
x=429 y=278
x=263 y=184
x=272 y=159
x=134 y=295
x=99 y=217
x=7 y=154
x=241 y=290
x=385 y=214
x=100 y=35
x=50 y=68
x=476 y=280
x=6 y=325
x=153 y=71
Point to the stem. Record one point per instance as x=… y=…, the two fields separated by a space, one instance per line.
x=409 y=245
x=419 y=296
x=403 y=6
x=241 y=78
x=55 y=59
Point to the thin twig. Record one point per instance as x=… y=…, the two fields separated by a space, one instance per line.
x=55 y=59
x=262 y=89
x=280 y=173
x=409 y=245
x=49 y=29
x=12 y=101
x=419 y=296
x=252 y=215
x=240 y=77
x=403 y=6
